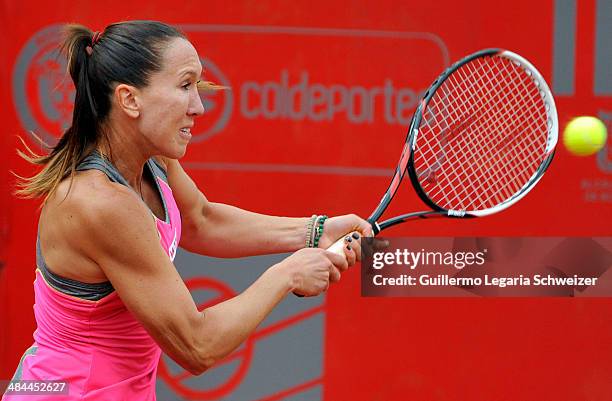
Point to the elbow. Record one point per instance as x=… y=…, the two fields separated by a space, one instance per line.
x=193 y=351
x=196 y=368
x=199 y=358
x=196 y=362
x=207 y=345
x=197 y=371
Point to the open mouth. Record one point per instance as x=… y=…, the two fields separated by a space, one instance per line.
x=185 y=133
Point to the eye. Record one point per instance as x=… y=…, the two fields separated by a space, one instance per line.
x=187 y=85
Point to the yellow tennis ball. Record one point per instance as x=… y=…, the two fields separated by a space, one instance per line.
x=584 y=136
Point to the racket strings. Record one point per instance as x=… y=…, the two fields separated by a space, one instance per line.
x=500 y=170
x=485 y=167
x=445 y=125
x=471 y=99
x=527 y=148
x=453 y=113
x=530 y=150
x=466 y=154
x=493 y=174
x=482 y=136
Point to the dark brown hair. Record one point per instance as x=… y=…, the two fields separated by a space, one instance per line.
x=125 y=52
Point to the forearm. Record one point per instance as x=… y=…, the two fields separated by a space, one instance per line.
x=228 y=324
x=227 y=231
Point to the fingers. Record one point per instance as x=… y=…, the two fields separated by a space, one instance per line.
x=326 y=287
x=338 y=261
x=352 y=253
x=351 y=257
x=334 y=274
x=364 y=227
x=351 y=247
x=367 y=229
x=356 y=245
x=318 y=284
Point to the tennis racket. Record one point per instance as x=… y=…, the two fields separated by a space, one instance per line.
x=480 y=139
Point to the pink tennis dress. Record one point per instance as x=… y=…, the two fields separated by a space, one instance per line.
x=85 y=336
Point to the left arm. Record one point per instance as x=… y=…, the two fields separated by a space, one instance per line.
x=221 y=230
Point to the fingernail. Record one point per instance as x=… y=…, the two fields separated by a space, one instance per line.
x=347 y=239
x=348 y=247
x=355 y=235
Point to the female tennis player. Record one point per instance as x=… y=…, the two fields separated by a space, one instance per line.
x=117 y=202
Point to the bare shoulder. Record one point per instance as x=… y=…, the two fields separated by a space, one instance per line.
x=94 y=209
x=92 y=194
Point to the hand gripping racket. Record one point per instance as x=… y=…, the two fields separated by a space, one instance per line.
x=480 y=139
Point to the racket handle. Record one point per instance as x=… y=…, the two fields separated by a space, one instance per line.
x=337 y=247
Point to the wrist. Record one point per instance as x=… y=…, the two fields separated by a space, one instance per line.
x=314 y=230
x=287 y=276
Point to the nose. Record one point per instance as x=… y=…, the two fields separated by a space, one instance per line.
x=196 y=108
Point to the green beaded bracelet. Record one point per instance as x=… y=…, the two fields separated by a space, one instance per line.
x=319 y=230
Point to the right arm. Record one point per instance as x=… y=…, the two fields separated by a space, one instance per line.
x=119 y=234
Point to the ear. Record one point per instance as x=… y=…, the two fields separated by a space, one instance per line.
x=127 y=100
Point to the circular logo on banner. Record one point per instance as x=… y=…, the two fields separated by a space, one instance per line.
x=43 y=92
x=179 y=381
x=217 y=104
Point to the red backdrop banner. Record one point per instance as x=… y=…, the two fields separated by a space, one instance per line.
x=321 y=95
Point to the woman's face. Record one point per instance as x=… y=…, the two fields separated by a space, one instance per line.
x=171 y=102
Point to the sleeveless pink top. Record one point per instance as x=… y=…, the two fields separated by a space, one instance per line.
x=96 y=346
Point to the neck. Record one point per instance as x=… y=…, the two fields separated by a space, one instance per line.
x=128 y=157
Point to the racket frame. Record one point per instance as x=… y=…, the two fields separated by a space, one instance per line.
x=413 y=132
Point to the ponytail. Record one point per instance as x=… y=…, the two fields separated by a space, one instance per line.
x=83 y=134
